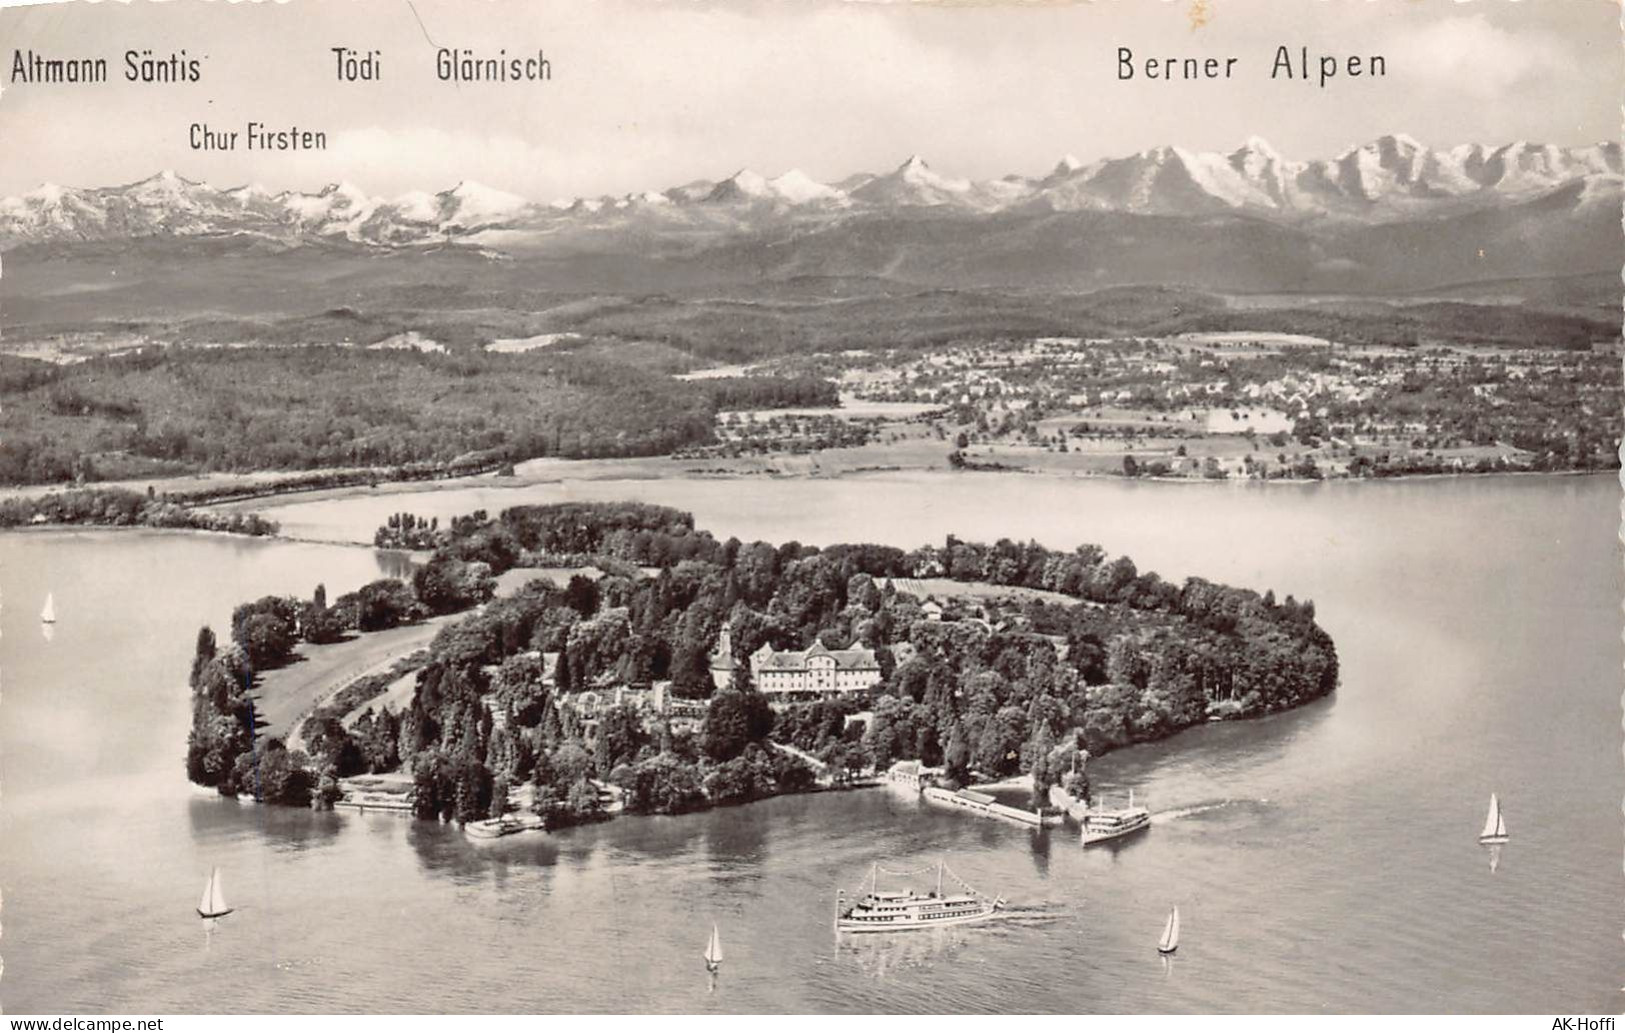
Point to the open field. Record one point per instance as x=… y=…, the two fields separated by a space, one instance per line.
x=285 y=695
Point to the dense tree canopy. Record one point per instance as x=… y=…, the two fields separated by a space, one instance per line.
x=1002 y=683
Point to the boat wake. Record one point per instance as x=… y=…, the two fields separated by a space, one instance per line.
x=294 y=964
x=1038 y=914
x=1163 y=817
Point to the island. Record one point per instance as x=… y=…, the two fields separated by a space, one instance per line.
x=565 y=662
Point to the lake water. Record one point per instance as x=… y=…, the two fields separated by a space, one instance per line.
x=1323 y=860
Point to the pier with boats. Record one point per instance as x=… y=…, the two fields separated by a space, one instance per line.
x=1098 y=823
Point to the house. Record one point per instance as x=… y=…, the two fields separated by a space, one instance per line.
x=815 y=672
x=910 y=774
x=654 y=704
x=722 y=660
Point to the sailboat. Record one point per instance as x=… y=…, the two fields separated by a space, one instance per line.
x=1170 y=934
x=713 y=951
x=1495 y=824
x=48 y=615
x=213 y=904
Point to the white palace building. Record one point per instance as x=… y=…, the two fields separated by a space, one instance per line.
x=813 y=673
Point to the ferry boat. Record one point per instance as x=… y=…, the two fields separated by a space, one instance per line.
x=1101 y=824
x=891 y=910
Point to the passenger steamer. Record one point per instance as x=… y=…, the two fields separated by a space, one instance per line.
x=892 y=910
x=1101 y=824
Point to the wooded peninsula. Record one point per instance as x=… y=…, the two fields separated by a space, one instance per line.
x=633 y=681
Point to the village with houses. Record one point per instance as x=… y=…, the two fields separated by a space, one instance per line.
x=1198 y=405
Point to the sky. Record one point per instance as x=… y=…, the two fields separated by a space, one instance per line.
x=647 y=95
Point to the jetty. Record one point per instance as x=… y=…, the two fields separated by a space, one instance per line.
x=982 y=803
x=912 y=777
x=389 y=792
x=507 y=825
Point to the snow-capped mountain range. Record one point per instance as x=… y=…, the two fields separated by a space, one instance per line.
x=1394 y=178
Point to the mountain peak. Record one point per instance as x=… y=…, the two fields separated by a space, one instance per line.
x=165 y=180
x=342 y=188
x=744 y=185
x=798 y=187
x=468 y=190
x=1393 y=177
x=1259 y=146
x=1402 y=142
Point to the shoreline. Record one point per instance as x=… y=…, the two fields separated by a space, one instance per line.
x=390 y=489
x=598 y=473
x=261 y=488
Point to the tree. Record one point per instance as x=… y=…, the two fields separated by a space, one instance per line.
x=272 y=774
x=520 y=686
x=956 y=758
x=333 y=746
x=1131 y=468
x=571 y=763
x=1038 y=752
x=582 y=595
x=500 y=788
x=446 y=585
x=380 y=604
x=620 y=737
x=662 y=784
x=203 y=653
x=583 y=801
x=318 y=624
x=733 y=721
x=266 y=638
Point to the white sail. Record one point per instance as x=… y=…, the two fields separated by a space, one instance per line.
x=1170 y=933
x=713 y=950
x=48 y=614
x=214 y=896
x=1495 y=824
